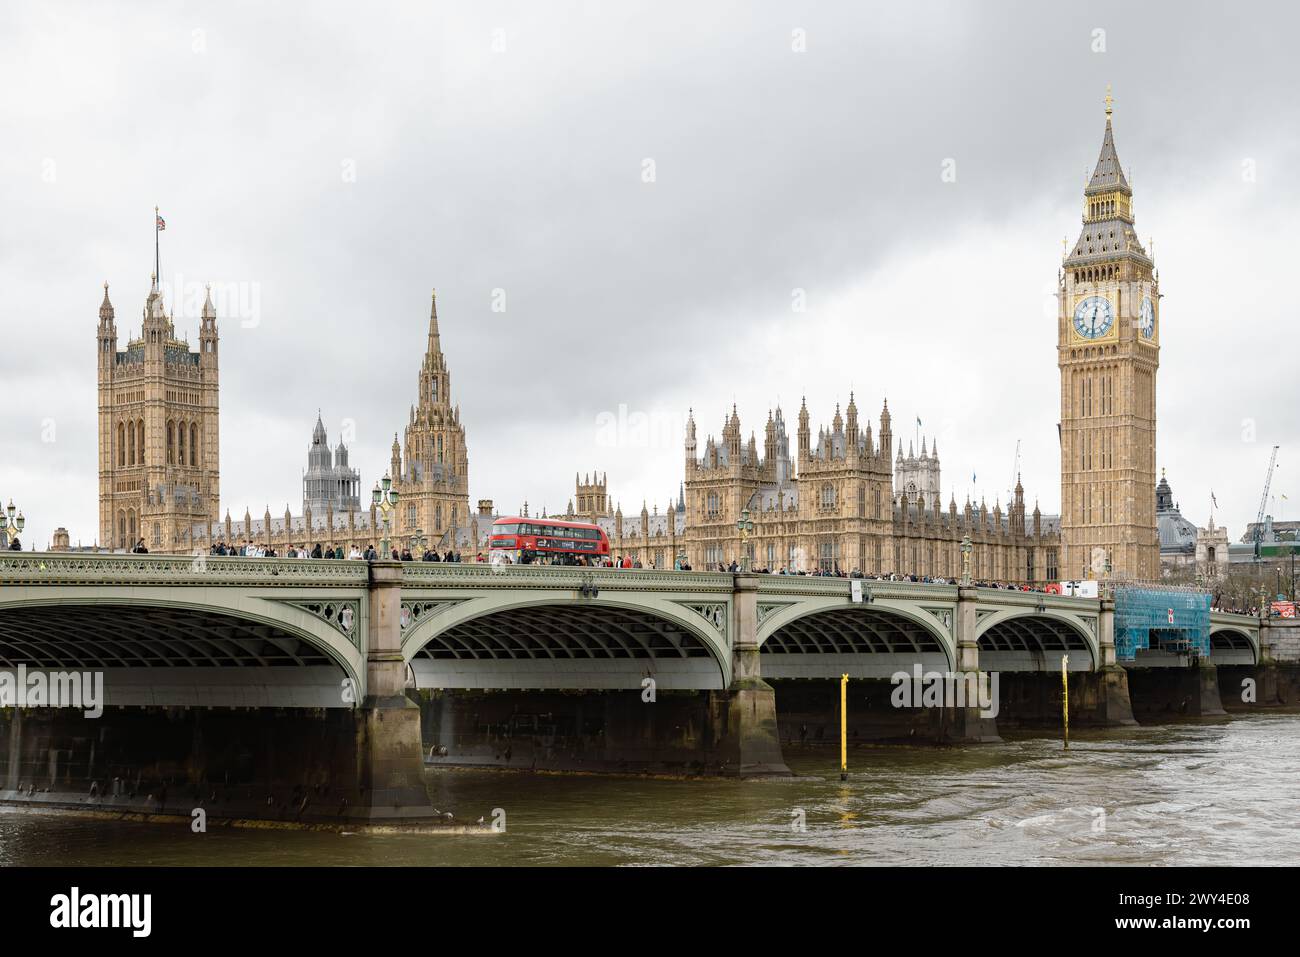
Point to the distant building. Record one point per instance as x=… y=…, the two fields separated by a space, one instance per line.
x=1213 y=552
x=1176 y=534
x=1203 y=552
x=1272 y=532
x=329 y=484
x=916 y=476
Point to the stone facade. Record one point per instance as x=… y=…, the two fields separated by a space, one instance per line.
x=430 y=469
x=841 y=504
x=158 y=429
x=1108 y=353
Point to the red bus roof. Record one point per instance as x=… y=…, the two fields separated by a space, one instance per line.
x=516 y=519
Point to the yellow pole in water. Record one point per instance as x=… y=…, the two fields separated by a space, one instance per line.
x=844 y=725
x=1065 y=699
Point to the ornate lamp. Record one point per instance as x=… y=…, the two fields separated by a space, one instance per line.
x=10 y=525
x=745 y=526
x=385 y=499
x=966 y=549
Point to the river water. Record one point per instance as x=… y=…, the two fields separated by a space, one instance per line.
x=1221 y=791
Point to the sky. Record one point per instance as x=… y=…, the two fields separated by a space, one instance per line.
x=631 y=210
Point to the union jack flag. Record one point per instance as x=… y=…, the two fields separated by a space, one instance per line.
x=161 y=223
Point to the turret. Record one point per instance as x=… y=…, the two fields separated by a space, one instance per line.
x=154 y=326
x=208 y=332
x=690 y=441
x=107 y=333
x=395 y=462
x=805 y=433
x=731 y=436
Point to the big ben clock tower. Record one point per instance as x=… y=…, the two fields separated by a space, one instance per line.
x=1108 y=353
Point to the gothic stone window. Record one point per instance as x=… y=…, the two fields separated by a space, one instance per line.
x=828 y=495
x=712 y=506
x=826 y=556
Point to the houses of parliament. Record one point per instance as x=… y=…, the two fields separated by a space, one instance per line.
x=844 y=497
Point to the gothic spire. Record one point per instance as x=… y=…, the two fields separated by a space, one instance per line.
x=1107 y=175
x=106 y=307
x=434 y=340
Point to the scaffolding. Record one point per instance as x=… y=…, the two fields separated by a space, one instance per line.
x=1164 y=619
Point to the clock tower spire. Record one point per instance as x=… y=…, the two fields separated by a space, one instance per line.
x=1108 y=352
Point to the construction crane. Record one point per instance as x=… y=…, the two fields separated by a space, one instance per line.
x=1263 y=503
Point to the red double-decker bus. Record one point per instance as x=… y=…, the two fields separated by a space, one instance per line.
x=544 y=541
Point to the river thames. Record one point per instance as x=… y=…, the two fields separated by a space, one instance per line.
x=1221 y=791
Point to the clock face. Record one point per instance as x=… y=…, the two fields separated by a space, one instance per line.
x=1093 y=317
x=1147 y=319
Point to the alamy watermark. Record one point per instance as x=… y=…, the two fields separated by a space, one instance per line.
x=53 y=689
x=947 y=689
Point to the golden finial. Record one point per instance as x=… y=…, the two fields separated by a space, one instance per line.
x=1109 y=100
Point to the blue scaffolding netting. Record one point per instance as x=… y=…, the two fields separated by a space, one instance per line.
x=1156 y=618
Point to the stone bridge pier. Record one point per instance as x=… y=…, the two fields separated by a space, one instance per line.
x=745 y=713
x=389 y=753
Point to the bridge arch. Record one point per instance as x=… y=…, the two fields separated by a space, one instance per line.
x=1233 y=646
x=205 y=644
x=827 y=637
x=1027 y=639
x=559 y=641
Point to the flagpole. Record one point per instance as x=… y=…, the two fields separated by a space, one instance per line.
x=157 y=266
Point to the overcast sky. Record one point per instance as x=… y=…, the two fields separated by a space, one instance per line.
x=330 y=168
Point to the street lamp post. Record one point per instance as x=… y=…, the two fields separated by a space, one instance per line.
x=10 y=525
x=745 y=525
x=966 y=549
x=385 y=500
x=417 y=542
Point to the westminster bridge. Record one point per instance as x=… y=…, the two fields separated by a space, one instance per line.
x=354 y=645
